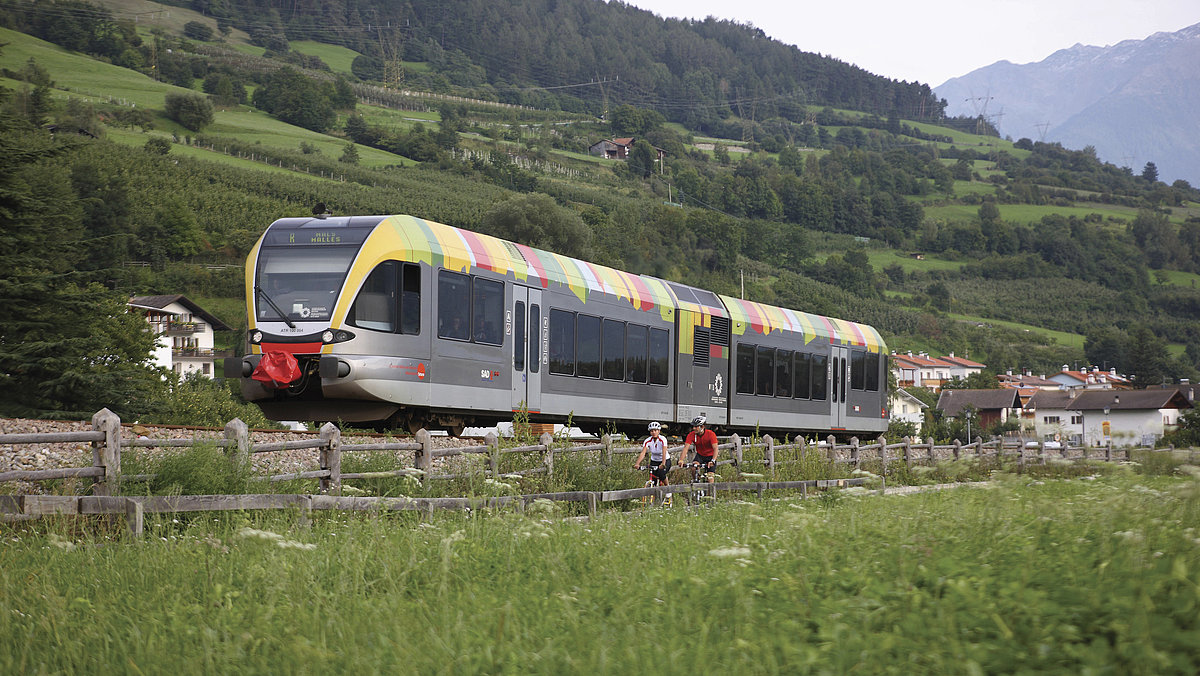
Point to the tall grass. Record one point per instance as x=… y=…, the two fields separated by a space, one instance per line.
x=1028 y=576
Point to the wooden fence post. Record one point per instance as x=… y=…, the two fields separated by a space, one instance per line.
x=737 y=451
x=1108 y=451
x=929 y=442
x=854 y=451
x=979 y=448
x=608 y=448
x=548 y=441
x=107 y=453
x=832 y=448
x=957 y=449
x=331 y=457
x=423 y=459
x=237 y=432
x=882 y=449
x=134 y=517
x=493 y=443
x=591 y=505
x=769 y=453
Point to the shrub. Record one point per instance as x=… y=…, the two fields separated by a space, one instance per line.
x=192 y=111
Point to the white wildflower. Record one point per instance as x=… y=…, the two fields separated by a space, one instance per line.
x=58 y=541
x=261 y=534
x=729 y=552
x=1130 y=535
x=291 y=544
x=752 y=475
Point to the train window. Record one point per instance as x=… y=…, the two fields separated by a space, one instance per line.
x=803 y=368
x=660 y=356
x=636 y=345
x=535 y=337
x=745 y=369
x=454 y=302
x=519 y=336
x=487 y=311
x=764 y=370
x=562 y=342
x=587 y=356
x=614 y=350
x=410 y=299
x=820 y=385
x=873 y=371
x=783 y=373
x=375 y=306
x=858 y=370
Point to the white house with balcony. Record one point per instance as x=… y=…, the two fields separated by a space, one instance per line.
x=185 y=333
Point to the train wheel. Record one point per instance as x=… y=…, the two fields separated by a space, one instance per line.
x=455 y=430
x=415 y=423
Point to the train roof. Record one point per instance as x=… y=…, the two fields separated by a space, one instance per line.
x=463 y=250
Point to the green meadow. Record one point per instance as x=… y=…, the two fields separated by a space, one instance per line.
x=1095 y=574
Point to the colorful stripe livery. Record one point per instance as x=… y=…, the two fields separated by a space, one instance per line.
x=767 y=318
x=415 y=239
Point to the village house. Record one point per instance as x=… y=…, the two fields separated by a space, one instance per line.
x=961 y=367
x=185 y=333
x=1095 y=379
x=1128 y=417
x=619 y=149
x=905 y=407
x=1026 y=384
x=992 y=405
x=920 y=370
x=1049 y=414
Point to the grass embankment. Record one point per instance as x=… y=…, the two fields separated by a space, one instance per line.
x=1026 y=576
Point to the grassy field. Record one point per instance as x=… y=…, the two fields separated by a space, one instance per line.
x=1023 y=213
x=338 y=58
x=1059 y=337
x=1025 y=576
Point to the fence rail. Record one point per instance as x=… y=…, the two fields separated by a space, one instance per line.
x=106 y=443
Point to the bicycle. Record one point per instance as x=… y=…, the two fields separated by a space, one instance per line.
x=652 y=482
x=700 y=473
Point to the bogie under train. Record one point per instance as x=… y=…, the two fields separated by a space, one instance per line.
x=394 y=321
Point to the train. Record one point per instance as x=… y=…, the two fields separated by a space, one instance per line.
x=397 y=322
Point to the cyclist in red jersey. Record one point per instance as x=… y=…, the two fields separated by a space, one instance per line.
x=702 y=443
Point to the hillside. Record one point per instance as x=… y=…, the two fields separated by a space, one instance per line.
x=1133 y=101
x=1020 y=254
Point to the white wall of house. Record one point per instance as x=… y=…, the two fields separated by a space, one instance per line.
x=1127 y=427
x=904 y=409
x=1056 y=424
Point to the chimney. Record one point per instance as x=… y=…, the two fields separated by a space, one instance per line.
x=1066 y=367
x=1113 y=371
x=1095 y=369
x=1116 y=398
x=1008 y=372
x=951 y=355
x=1043 y=376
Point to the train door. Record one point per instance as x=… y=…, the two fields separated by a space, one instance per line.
x=839 y=375
x=530 y=328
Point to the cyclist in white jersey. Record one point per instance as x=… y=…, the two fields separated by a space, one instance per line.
x=660 y=458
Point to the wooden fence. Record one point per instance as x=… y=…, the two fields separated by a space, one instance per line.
x=106 y=444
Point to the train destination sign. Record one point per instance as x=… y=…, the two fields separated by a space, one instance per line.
x=315 y=237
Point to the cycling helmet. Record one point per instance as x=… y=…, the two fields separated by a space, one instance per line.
x=699 y=420
x=653 y=426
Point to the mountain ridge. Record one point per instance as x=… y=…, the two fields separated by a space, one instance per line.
x=1083 y=95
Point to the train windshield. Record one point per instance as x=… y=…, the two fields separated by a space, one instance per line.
x=302 y=282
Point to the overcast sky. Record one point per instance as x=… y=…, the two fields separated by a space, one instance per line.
x=934 y=40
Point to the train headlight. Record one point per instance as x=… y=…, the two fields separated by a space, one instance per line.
x=256 y=337
x=329 y=336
